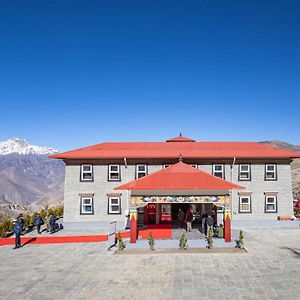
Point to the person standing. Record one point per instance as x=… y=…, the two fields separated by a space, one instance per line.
x=17 y=231
x=181 y=217
x=189 y=219
x=52 y=223
x=38 y=222
x=20 y=221
x=203 y=222
x=210 y=223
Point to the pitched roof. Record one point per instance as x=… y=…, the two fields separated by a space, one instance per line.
x=179 y=176
x=175 y=147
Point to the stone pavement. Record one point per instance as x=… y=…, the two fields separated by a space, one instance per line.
x=270 y=270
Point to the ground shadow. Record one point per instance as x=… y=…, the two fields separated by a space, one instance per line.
x=295 y=251
x=29 y=241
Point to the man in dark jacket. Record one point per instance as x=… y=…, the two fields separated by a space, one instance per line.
x=52 y=223
x=38 y=222
x=17 y=231
x=189 y=219
x=20 y=221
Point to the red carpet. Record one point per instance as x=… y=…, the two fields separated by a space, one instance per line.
x=162 y=231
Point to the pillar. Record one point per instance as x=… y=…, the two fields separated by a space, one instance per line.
x=133 y=225
x=227 y=225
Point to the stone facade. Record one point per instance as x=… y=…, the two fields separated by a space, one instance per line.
x=100 y=188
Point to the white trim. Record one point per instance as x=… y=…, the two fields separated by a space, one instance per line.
x=270 y=203
x=248 y=203
x=243 y=171
x=164 y=166
x=110 y=171
x=86 y=205
x=137 y=171
x=218 y=171
x=270 y=171
x=86 y=172
x=110 y=205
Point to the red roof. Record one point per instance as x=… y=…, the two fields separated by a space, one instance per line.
x=183 y=146
x=179 y=176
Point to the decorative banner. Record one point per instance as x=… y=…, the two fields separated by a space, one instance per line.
x=139 y=201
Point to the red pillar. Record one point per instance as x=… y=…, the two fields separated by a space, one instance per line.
x=133 y=227
x=227 y=226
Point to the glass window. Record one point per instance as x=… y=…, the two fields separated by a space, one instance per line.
x=86 y=172
x=114 y=173
x=114 y=205
x=271 y=172
x=245 y=204
x=141 y=171
x=218 y=171
x=271 y=204
x=87 y=207
x=244 y=172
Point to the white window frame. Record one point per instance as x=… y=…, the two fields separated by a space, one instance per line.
x=194 y=166
x=240 y=204
x=214 y=171
x=82 y=205
x=274 y=171
x=110 y=172
x=248 y=172
x=267 y=197
x=110 y=205
x=138 y=172
x=82 y=172
x=164 y=166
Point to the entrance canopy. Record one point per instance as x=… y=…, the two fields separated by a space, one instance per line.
x=180 y=177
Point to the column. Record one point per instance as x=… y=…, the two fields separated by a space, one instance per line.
x=227 y=225
x=133 y=225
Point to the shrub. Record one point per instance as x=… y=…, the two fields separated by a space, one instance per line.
x=240 y=241
x=183 y=244
x=151 y=241
x=43 y=214
x=121 y=243
x=59 y=211
x=209 y=239
x=27 y=220
x=6 y=226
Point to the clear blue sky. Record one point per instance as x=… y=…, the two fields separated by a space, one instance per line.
x=75 y=73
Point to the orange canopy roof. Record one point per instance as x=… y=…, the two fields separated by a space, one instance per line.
x=179 y=176
x=175 y=147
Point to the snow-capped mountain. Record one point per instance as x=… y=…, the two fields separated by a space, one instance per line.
x=21 y=146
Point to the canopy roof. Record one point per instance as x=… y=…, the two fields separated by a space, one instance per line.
x=175 y=147
x=179 y=176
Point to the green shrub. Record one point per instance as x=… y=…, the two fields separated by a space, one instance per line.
x=151 y=241
x=121 y=243
x=183 y=244
x=209 y=239
x=240 y=241
x=59 y=211
x=43 y=214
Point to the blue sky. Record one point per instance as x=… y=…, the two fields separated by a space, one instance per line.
x=75 y=73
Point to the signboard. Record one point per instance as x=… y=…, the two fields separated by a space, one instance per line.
x=143 y=200
x=112 y=234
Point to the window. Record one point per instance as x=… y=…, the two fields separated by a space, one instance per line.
x=140 y=171
x=195 y=166
x=270 y=204
x=86 y=173
x=245 y=204
x=114 y=173
x=114 y=205
x=270 y=172
x=86 y=206
x=166 y=166
x=244 y=172
x=218 y=171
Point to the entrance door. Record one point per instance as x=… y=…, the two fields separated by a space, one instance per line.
x=175 y=211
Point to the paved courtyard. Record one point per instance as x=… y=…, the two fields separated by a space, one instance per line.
x=270 y=270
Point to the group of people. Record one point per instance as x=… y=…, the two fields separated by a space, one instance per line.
x=38 y=222
x=208 y=221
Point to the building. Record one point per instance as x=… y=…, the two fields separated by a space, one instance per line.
x=250 y=180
